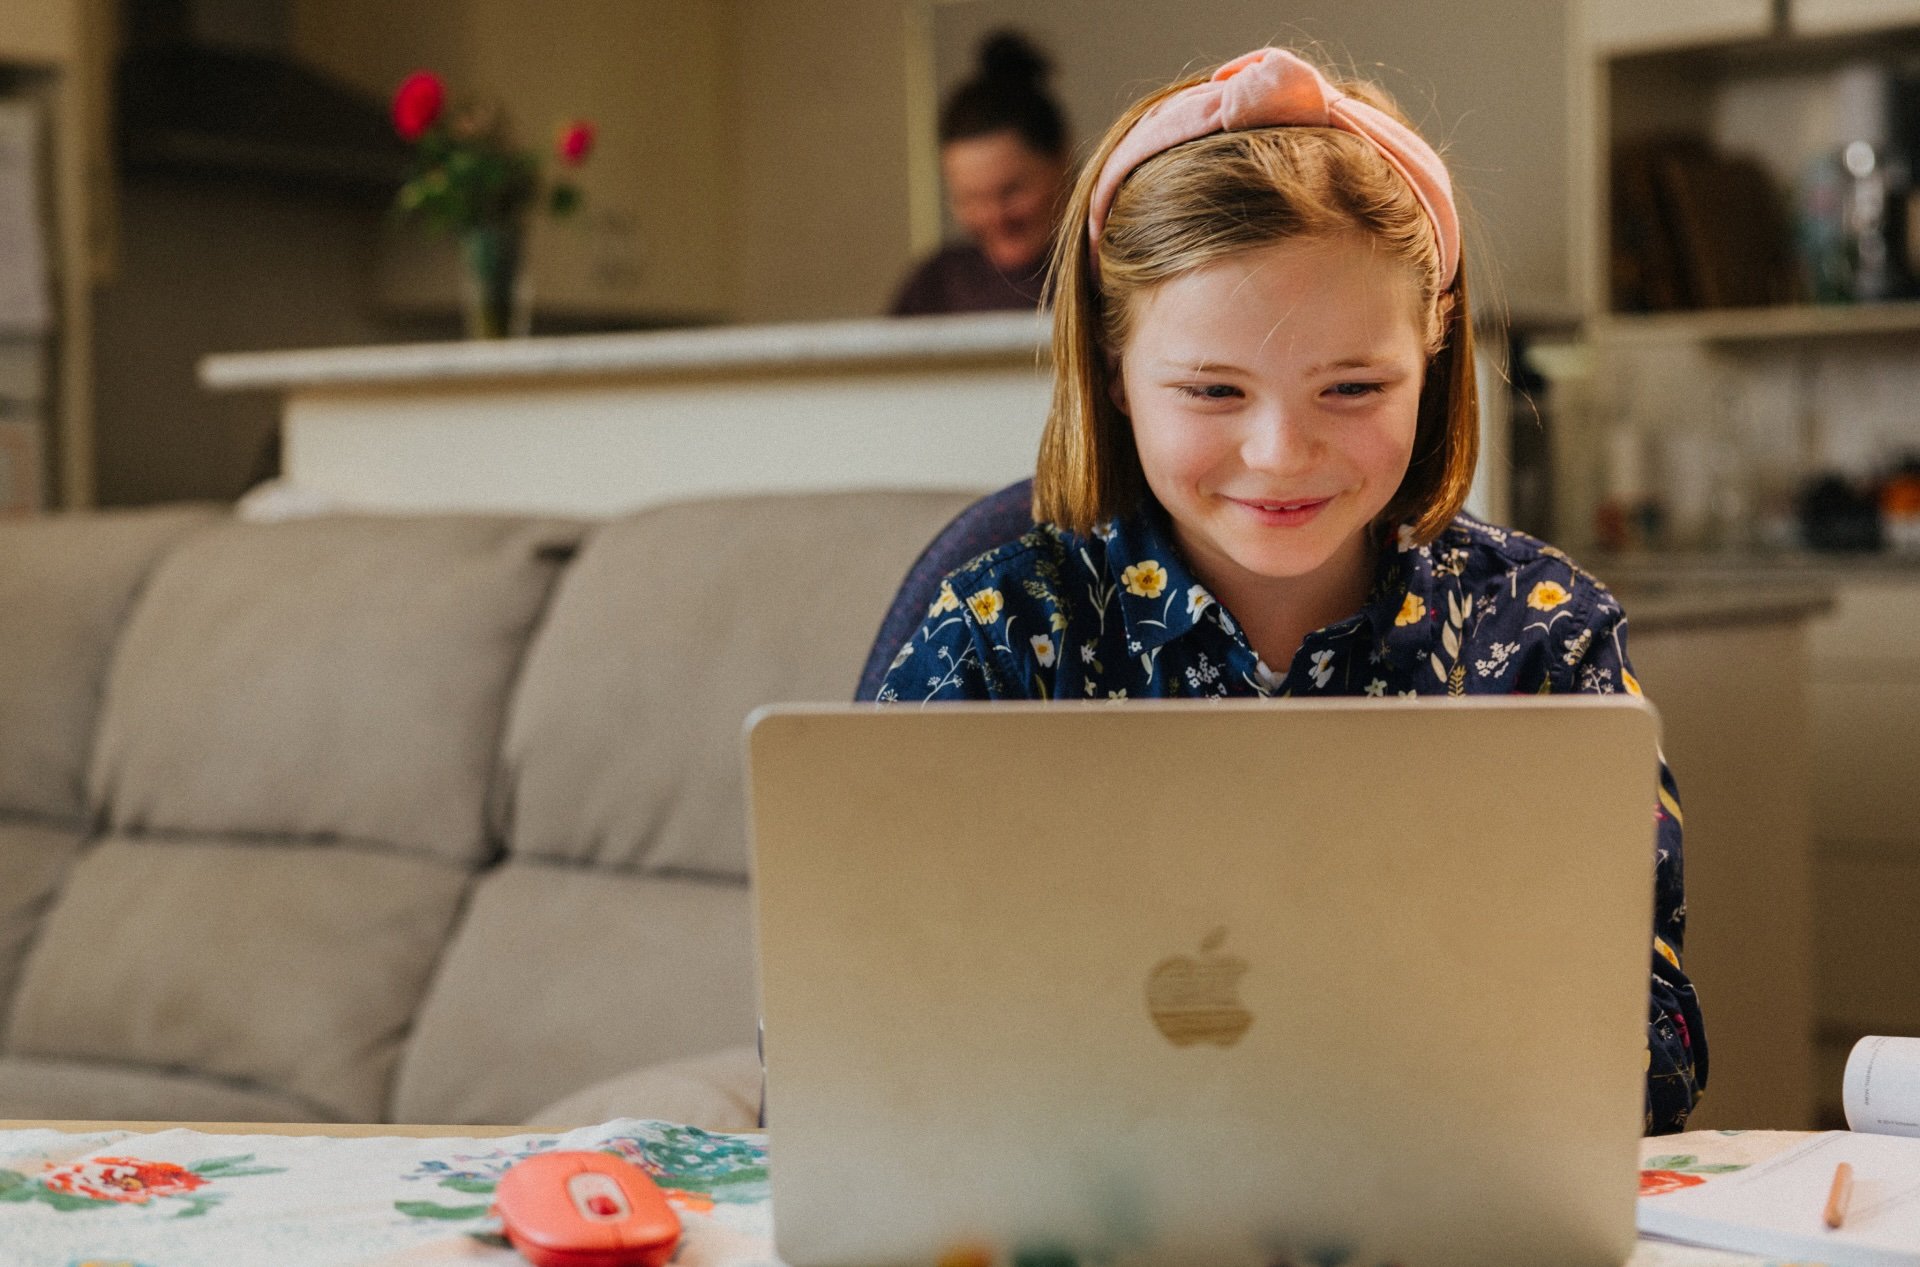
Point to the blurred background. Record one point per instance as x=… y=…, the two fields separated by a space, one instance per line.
x=1693 y=240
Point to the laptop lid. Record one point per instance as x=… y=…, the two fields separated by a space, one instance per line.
x=1353 y=981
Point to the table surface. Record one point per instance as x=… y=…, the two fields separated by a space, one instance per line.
x=336 y=1130
x=171 y=1194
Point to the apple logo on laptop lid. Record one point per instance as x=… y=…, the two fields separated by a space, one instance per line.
x=1197 y=999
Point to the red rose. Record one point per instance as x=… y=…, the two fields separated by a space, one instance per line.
x=417 y=104
x=576 y=142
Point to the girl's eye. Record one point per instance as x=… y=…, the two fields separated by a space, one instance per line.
x=1209 y=391
x=1356 y=390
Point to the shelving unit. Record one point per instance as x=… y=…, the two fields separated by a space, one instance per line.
x=1757 y=76
x=1795 y=323
x=1756 y=88
x=58 y=54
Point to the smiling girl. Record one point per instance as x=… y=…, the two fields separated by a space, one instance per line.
x=1263 y=429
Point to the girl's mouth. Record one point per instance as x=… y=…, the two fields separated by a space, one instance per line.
x=1284 y=514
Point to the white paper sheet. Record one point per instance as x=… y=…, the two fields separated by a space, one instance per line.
x=1776 y=1208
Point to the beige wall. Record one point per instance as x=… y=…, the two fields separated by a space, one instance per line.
x=39 y=31
x=819 y=144
x=1484 y=79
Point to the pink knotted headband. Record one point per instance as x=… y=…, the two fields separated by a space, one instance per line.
x=1271 y=87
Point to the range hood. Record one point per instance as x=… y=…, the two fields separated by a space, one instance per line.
x=197 y=97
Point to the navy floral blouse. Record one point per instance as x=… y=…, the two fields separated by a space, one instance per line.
x=1481 y=610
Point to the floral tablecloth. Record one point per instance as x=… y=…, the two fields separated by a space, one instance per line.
x=182 y=1198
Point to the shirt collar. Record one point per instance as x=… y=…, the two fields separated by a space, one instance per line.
x=1161 y=598
x=1416 y=589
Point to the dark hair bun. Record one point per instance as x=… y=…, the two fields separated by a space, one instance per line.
x=1006 y=57
x=1007 y=93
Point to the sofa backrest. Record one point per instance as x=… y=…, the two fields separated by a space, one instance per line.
x=622 y=897
x=66 y=584
x=292 y=770
x=624 y=745
x=339 y=679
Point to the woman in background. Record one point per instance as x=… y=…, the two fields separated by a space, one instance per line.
x=1003 y=158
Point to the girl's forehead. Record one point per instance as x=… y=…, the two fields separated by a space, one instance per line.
x=1306 y=293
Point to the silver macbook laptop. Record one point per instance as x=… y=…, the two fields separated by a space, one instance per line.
x=1356 y=982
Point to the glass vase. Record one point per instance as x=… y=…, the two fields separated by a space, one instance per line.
x=496 y=288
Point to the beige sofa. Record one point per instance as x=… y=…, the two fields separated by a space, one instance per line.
x=421 y=819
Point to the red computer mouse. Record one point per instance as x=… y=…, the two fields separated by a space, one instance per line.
x=581 y=1209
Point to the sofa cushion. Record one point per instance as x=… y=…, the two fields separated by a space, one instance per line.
x=561 y=976
x=717 y=1092
x=69 y=1090
x=294 y=968
x=623 y=746
x=65 y=586
x=342 y=679
x=34 y=858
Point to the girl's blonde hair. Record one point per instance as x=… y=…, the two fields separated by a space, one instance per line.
x=1200 y=202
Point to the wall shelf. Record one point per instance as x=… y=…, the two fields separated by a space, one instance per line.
x=1795 y=323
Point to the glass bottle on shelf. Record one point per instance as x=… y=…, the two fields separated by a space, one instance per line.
x=1870 y=262
x=1855 y=198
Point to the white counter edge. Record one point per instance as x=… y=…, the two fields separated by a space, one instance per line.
x=802 y=345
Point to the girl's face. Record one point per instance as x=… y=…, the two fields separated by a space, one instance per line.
x=1274 y=397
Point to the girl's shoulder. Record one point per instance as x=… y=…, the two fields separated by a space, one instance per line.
x=1042 y=545
x=1029 y=566
x=1488 y=557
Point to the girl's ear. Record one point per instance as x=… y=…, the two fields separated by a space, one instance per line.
x=1440 y=326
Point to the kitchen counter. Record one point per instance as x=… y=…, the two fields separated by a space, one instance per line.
x=1747 y=565
x=602 y=424
x=996 y=338
x=1664 y=604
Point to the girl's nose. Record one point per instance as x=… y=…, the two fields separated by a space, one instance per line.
x=1277 y=441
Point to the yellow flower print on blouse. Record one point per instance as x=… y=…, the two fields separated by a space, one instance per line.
x=1042 y=649
x=948 y=601
x=985 y=605
x=1146 y=579
x=1547 y=595
x=1413 y=609
x=1633 y=683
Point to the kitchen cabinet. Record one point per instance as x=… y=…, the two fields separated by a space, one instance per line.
x=1865 y=698
x=58 y=53
x=1732 y=697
